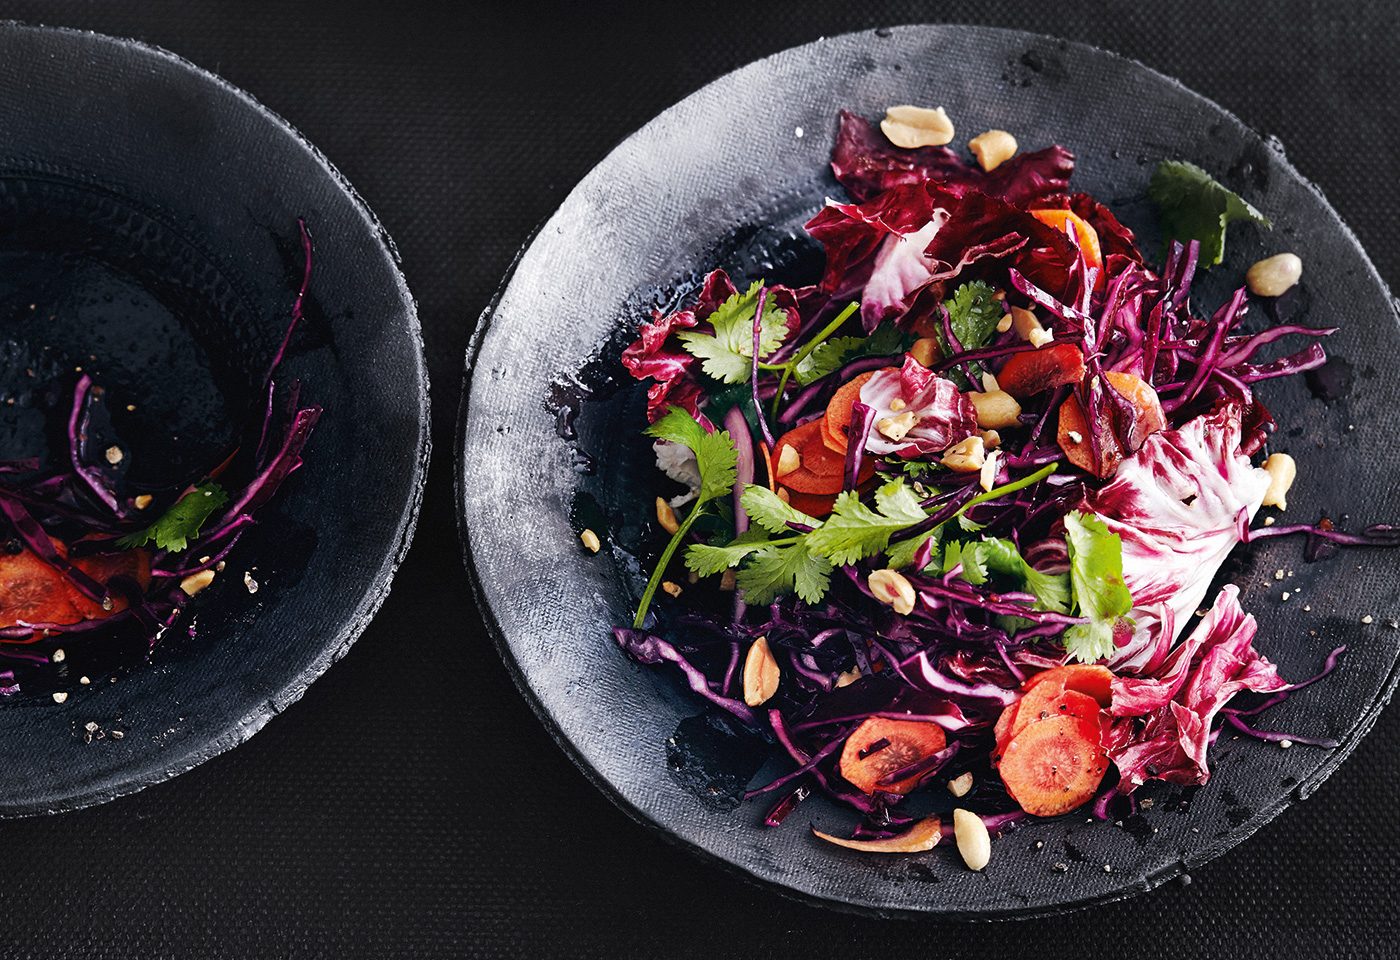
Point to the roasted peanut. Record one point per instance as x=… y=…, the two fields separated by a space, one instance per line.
x=965 y=457
x=992 y=148
x=761 y=674
x=1275 y=275
x=891 y=587
x=996 y=409
x=913 y=127
x=1282 y=470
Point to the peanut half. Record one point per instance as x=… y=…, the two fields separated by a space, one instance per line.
x=761 y=673
x=992 y=148
x=913 y=127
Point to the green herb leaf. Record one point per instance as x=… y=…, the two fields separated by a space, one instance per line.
x=901 y=554
x=854 y=530
x=768 y=510
x=180 y=524
x=776 y=570
x=706 y=559
x=727 y=355
x=1096 y=577
x=832 y=355
x=1193 y=206
x=971 y=555
x=714 y=452
x=973 y=315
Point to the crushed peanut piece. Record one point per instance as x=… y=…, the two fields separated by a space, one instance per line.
x=990 y=466
x=589 y=538
x=143 y=501
x=114 y=455
x=666 y=516
x=728 y=581
x=992 y=148
x=996 y=409
x=671 y=587
x=897 y=404
x=966 y=456
x=924 y=351
x=60 y=697
x=960 y=784
x=196 y=582
x=897 y=426
x=58 y=655
x=1366 y=619
x=788 y=461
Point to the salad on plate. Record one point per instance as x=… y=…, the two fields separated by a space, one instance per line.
x=942 y=526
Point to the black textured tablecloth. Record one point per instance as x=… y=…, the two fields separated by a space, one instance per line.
x=410 y=805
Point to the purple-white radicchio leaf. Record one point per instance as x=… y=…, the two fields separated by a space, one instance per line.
x=900 y=269
x=939 y=415
x=1168 y=741
x=1176 y=504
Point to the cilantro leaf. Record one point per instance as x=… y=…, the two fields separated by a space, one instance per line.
x=705 y=559
x=727 y=355
x=1096 y=577
x=768 y=510
x=714 y=452
x=973 y=315
x=971 y=555
x=854 y=530
x=1193 y=206
x=778 y=569
x=834 y=354
x=901 y=554
x=177 y=526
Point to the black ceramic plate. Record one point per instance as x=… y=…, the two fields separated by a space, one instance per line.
x=148 y=235
x=725 y=178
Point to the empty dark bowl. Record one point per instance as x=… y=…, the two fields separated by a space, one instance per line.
x=726 y=178
x=149 y=237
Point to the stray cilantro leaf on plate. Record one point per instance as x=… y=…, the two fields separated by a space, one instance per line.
x=1193 y=206
x=180 y=524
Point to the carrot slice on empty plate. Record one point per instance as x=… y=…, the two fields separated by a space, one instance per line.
x=865 y=761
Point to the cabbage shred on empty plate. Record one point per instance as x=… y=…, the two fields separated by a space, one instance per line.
x=950 y=515
x=89 y=568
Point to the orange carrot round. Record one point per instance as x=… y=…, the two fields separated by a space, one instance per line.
x=838 y=411
x=1054 y=765
x=909 y=742
x=821 y=470
x=1070 y=223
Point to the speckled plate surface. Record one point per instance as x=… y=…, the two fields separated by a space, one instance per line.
x=148 y=235
x=725 y=178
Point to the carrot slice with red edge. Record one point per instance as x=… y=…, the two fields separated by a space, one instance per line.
x=33 y=591
x=1031 y=371
x=1073 y=423
x=838 y=411
x=1087 y=678
x=909 y=741
x=1054 y=765
x=1042 y=703
x=821 y=470
x=1068 y=222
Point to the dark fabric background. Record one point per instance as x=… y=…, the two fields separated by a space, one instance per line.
x=410 y=805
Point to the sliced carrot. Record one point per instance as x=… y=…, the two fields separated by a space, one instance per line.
x=1068 y=222
x=768 y=466
x=909 y=742
x=1073 y=423
x=33 y=591
x=1041 y=703
x=1032 y=371
x=1087 y=678
x=135 y=564
x=1054 y=765
x=922 y=836
x=838 y=411
x=821 y=470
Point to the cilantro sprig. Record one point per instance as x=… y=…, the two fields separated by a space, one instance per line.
x=1096 y=576
x=718 y=465
x=789 y=551
x=178 y=525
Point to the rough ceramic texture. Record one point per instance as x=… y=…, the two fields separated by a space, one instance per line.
x=126 y=170
x=722 y=178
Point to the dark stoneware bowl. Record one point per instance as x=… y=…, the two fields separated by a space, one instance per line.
x=148 y=235
x=725 y=178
